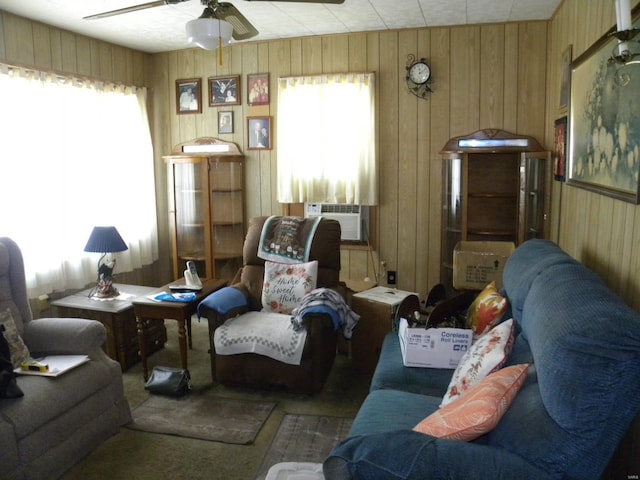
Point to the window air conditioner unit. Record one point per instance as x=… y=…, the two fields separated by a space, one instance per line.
x=354 y=219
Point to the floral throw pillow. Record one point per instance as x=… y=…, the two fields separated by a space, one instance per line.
x=487 y=354
x=17 y=348
x=285 y=285
x=486 y=310
x=481 y=408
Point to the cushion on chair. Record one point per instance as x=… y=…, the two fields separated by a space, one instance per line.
x=223 y=301
x=285 y=285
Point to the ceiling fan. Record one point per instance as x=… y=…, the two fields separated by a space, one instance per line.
x=242 y=28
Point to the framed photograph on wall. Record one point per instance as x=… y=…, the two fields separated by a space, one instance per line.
x=604 y=118
x=565 y=74
x=189 y=96
x=225 y=122
x=560 y=157
x=259 y=133
x=258 y=89
x=224 y=91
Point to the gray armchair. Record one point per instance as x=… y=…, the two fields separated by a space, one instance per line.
x=58 y=421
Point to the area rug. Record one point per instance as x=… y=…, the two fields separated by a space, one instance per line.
x=202 y=416
x=304 y=438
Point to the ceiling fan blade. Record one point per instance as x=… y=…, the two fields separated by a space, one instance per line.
x=242 y=28
x=301 y=1
x=133 y=8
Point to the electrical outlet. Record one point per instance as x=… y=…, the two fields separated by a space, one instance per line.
x=391 y=277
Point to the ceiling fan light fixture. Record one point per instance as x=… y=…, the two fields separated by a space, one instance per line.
x=209 y=33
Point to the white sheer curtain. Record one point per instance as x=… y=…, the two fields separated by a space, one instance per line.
x=326 y=139
x=75 y=154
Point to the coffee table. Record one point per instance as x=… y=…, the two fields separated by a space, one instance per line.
x=148 y=309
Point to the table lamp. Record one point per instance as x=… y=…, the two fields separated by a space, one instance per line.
x=105 y=240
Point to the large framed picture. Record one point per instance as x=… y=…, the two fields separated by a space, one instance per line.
x=189 y=96
x=259 y=133
x=560 y=158
x=604 y=121
x=258 y=89
x=224 y=91
x=225 y=122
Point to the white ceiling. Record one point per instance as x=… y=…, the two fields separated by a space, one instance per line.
x=162 y=28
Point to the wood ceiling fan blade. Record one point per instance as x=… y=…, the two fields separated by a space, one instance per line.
x=133 y=8
x=242 y=28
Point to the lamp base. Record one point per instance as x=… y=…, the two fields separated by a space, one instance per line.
x=104 y=289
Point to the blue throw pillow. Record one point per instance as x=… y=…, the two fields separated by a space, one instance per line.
x=223 y=301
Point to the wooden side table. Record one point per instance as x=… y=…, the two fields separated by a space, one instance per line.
x=147 y=309
x=118 y=317
x=378 y=308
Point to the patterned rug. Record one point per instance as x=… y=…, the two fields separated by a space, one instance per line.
x=202 y=416
x=304 y=438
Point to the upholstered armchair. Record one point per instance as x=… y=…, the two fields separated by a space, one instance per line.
x=244 y=300
x=58 y=421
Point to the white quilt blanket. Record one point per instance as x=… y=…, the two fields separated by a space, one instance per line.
x=269 y=334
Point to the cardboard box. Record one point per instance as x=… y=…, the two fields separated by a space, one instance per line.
x=433 y=347
x=476 y=264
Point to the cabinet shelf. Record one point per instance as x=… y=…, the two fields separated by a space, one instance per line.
x=493 y=195
x=493 y=233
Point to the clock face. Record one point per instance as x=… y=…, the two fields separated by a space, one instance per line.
x=419 y=73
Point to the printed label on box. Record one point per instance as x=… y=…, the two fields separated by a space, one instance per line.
x=433 y=347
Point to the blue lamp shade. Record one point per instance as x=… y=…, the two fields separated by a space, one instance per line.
x=105 y=240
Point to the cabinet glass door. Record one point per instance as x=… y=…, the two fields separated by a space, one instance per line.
x=227 y=216
x=451 y=214
x=190 y=193
x=534 y=181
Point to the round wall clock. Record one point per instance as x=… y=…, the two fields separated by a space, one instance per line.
x=418 y=76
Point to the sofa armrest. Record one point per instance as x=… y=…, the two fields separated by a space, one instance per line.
x=409 y=455
x=64 y=336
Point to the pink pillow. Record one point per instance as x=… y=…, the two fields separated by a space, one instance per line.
x=481 y=408
x=487 y=354
x=285 y=285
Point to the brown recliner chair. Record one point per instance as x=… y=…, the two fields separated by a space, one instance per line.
x=259 y=371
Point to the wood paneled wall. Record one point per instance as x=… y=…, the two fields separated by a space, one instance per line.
x=32 y=44
x=489 y=76
x=602 y=232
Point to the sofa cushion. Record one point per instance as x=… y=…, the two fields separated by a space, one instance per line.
x=17 y=348
x=487 y=354
x=486 y=310
x=479 y=410
x=585 y=343
x=390 y=372
x=409 y=455
x=43 y=400
x=285 y=285
x=389 y=410
x=524 y=265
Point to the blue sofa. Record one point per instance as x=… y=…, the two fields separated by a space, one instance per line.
x=581 y=394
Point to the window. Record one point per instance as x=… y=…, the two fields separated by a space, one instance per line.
x=75 y=154
x=326 y=139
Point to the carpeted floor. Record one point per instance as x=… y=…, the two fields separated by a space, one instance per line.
x=304 y=438
x=199 y=415
x=141 y=455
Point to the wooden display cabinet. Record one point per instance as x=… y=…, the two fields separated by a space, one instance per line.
x=206 y=206
x=496 y=187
